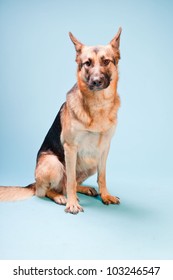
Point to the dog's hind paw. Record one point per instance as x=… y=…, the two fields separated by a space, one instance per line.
x=87 y=190
x=60 y=199
x=73 y=208
x=92 y=192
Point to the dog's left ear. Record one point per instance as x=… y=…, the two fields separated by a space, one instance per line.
x=78 y=45
x=115 y=42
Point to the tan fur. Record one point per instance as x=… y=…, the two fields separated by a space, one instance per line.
x=88 y=121
x=57 y=197
x=16 y=193
x=49 y=175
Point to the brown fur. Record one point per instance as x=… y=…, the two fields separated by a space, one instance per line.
x=88 y=120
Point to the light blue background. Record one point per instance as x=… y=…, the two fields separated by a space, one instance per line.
x=37 y=68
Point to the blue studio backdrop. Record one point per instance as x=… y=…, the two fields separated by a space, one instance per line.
x=37 y=68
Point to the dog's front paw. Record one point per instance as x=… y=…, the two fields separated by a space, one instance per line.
x=73 y=208
x=109 y=199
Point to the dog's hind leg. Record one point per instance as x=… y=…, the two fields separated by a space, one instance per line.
x=50 y=178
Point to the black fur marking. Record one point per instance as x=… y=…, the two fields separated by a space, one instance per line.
x=114 y=60
x=52 y=143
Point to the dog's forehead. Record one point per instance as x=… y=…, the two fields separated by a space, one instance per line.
x=96 y=51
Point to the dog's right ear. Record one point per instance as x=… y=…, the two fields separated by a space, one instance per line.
x=78 y=45
x=115 y=42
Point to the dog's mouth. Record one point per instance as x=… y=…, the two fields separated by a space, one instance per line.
x=97 y=88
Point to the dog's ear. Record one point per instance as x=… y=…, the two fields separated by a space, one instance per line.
x=115 y=42
x=78 y=45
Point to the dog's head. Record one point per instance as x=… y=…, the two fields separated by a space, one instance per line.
x=97 y=66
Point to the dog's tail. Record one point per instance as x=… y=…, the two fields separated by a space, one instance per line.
x=16 y=193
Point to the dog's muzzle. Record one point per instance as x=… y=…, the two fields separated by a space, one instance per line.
x=98 y=82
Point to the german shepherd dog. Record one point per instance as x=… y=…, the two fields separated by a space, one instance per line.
x=77 y=144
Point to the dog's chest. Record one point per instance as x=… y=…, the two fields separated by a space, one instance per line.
x=101 y=122
x=103 y=115
x=91 y=145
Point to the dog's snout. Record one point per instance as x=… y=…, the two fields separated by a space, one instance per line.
x=97 y=82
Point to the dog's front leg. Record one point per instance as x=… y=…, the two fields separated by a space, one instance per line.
x=72 y=205
x=105 y=196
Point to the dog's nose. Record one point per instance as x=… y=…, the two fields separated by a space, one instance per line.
x=97 y=82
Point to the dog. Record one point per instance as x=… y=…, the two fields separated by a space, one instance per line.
x=78 y=142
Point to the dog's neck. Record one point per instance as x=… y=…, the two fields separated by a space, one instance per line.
x=96 y=110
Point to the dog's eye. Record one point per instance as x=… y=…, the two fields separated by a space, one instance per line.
x=106 y=62
x=88 y=63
